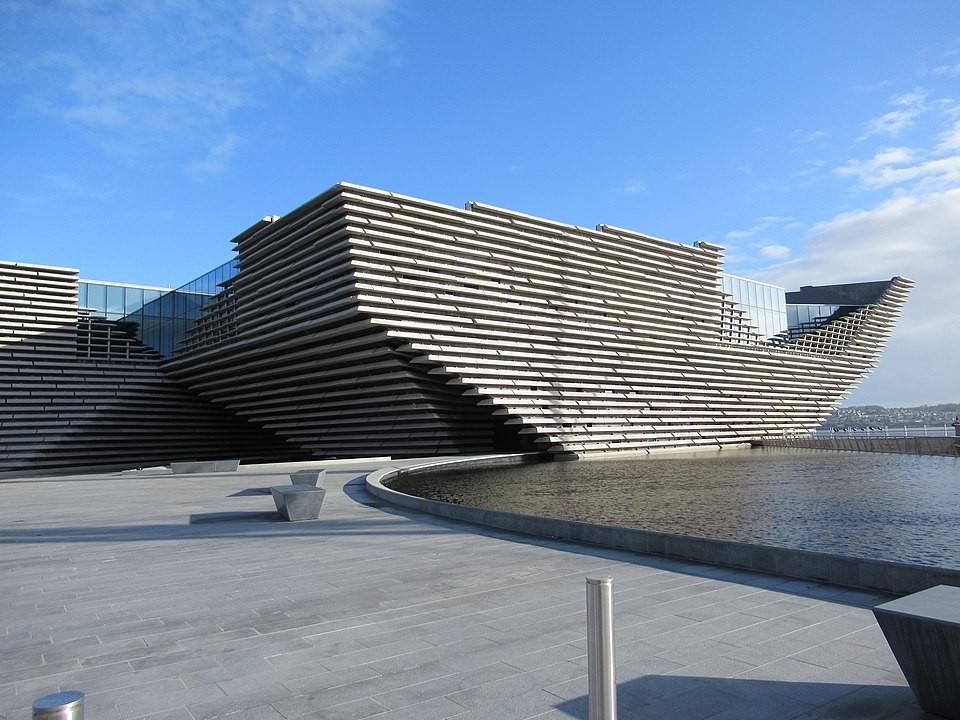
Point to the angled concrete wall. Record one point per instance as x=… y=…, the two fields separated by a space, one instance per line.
x=371 y=323
x=304 y=359
x=366 y=324
x=79 y=392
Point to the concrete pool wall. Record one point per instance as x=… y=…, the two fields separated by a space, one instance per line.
x=886 y=576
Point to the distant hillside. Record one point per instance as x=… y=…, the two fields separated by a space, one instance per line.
x=878 y=416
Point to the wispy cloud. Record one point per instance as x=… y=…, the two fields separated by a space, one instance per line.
x=761 y=224
x=775 y=252
x=950 y=71
x=765 y=241
x=907 y=227
x=873 y=171
x=217 y=160
x=911 y=236
x=318 y=39
x=937 y=167
x=634 y=187
x=809 y=136
x=147 y=76
x=71 y=186
x=908 y=107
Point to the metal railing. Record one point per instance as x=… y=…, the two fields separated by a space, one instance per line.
x=894 y=431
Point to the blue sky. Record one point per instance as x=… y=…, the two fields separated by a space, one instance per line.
x=817 y=141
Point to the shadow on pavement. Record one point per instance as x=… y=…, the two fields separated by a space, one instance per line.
x=668 y=697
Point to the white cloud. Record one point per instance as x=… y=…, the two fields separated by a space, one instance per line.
x=893 y=167
x=883 y=159
x=217 y=160
x=912 y=231
x=911 y=236
x=809 y=136
x=909 y=107
x=634 y=187
x=950 y=139
x=755 y=246
x=892 y=123
x=147 y=76
x=69 y=185
x=775 y=252
x=947 y=71
x=157 y=100
x=318 y=39
x=760 y=225
x=937 y=168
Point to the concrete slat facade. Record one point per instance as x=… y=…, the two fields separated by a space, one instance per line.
x=571 y=340
x=368 y=323
x=77 y=391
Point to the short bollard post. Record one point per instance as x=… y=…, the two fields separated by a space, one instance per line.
x=601 y=666
x=66 y=705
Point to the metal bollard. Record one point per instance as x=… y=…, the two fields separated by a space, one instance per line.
x=66 y=705
x=601 y=666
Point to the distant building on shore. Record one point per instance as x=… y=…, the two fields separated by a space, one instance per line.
x=893 y=417
x=366 y=323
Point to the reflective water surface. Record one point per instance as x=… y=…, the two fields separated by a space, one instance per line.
x=882 y=506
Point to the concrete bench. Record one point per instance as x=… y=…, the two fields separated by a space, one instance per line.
x=204 y=466
x=923 y=630
x=308 y=477
x=298 y=502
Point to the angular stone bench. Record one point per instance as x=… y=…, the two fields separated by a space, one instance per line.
x=308 y=477
x=923 y=630
x=298 y=502
x=202 y=466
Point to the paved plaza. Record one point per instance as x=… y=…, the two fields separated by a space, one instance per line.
x=182 y=597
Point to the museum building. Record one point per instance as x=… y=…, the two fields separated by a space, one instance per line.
x=366 y=323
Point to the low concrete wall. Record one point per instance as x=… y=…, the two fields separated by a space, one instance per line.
x=903 y=445
x=892 y=577
x=204 y=466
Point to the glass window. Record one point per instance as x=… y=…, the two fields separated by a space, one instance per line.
x=163 y=317
x=97 y=298
x=132 y=299
x=114 y=302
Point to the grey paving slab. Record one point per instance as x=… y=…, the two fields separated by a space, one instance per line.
x=445 y=685
x=186 y=597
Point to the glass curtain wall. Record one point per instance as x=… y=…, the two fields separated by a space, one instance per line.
x=161 y=317
x=764 y=304
x=113 y=301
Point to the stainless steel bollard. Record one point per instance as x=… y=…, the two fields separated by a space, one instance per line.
x=601 y=665
x=66 y=705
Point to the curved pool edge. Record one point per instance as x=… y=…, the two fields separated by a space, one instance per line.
x=862 y=573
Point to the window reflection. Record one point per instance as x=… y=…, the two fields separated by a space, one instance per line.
x=763 y=304
x=162 y=318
